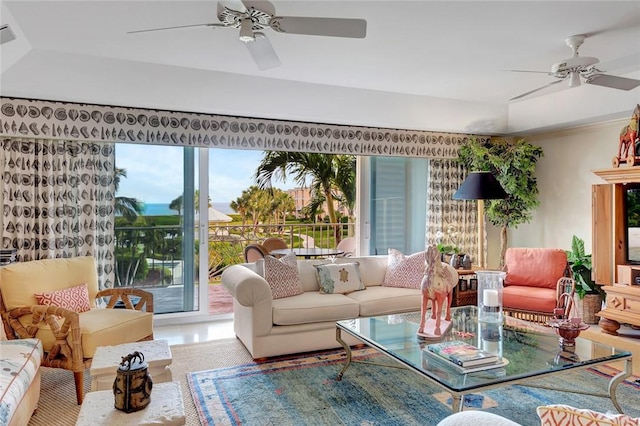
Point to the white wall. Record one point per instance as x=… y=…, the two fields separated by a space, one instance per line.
x=564 y=180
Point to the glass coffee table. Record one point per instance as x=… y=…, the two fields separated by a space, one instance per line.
x=530 y=351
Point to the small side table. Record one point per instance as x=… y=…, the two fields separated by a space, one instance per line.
x=466 y=292
x=166 y=408
x=107 y=359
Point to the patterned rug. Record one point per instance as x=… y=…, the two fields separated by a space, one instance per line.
x=303 y=391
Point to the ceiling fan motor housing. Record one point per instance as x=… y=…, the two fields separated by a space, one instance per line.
x=576 y=63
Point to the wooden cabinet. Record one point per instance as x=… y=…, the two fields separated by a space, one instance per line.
x=609 y=250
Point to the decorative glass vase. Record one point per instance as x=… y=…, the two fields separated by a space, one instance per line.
x=490 y=296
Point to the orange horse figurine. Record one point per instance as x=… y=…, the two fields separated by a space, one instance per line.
x=437 y=285
x=628 y=146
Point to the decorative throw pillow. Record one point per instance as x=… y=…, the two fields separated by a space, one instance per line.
x=75 y=299
x=565 y=415
x=282 y=276
x=404 y=271
x=339 y=278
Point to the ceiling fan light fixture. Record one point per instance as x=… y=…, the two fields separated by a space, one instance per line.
x=574 y=79
x=246 y=32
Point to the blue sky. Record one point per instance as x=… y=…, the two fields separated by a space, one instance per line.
x=154 y=173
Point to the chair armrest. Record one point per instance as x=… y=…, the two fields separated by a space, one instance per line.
x=67 y=349
x=116 y=294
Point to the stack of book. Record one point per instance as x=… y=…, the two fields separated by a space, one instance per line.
x=7 y=256
x=463 y=357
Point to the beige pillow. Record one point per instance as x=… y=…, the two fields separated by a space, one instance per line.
x=565 y=415
x=404 y=271
x=341 y=278
x=282 y=276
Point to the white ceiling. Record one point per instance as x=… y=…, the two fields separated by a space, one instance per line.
x=423 y=65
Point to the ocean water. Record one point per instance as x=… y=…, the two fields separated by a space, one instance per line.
x=162 y=209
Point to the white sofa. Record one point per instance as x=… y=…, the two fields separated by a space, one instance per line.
x=307 y=322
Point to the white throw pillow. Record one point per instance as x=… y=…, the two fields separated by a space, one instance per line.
x=282 y=276
x=339 y=278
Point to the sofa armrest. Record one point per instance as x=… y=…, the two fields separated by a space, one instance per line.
x=116 y=294
x=246 y=286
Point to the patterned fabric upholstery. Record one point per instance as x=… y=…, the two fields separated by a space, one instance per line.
x=565 y=415
x=282 y=276
x=74 y=298
x=339 y=278
x=19 y=366
x=404 y=271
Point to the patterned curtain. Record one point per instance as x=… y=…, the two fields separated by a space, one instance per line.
x=58 y=200
x=450 y=221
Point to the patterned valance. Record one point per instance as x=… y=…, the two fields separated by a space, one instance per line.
x=97 y=123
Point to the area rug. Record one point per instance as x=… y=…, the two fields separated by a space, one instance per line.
x=57 y=405
x=304 y=391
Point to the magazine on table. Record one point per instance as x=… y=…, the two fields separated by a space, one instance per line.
x=462 y=353
x=436 y=362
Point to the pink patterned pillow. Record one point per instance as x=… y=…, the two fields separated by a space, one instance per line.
x=404 y=271
x=565 y=415
x=75 y=299
x=282 y=276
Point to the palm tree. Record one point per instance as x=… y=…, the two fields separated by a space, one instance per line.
x=176 y=204
x=328 y=173
x=128 y=207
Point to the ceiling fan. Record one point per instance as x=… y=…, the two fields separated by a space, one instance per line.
x=251 y=20
x=577 y=68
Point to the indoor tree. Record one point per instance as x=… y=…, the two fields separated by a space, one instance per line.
x=513 y=163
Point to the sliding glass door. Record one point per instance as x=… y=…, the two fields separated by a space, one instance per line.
x=155 y=230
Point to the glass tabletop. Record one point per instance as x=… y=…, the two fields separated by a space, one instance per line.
x=528 y=350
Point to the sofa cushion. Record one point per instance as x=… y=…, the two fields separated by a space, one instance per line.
x=404 y=271
x=534 y=267
x=19 y=366
x=381 y=300
x=312 y=306
x=75 y=299
x=534 y=299
x=565 y=415
x=341 y=278
x=282 y=276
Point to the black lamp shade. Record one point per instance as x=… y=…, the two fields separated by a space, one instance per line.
x=480 y=186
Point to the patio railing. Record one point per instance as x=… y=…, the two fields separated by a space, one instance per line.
x=152 y=256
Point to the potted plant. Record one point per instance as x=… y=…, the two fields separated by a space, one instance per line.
x=589 y=295
x=513 y=163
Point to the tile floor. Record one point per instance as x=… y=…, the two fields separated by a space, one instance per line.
x=195 y=332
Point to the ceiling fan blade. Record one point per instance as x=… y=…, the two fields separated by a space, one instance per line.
x=177 y=27
x=613 y=81
x=333 y=27
x=535 y=90
x=262 y=52
x=621 y=65
x=529 y=71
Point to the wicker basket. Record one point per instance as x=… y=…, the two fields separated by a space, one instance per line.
x=588 y=307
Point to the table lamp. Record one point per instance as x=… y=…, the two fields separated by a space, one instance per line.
x=480 y=186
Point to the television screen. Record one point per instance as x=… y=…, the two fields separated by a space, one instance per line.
x=633 y=223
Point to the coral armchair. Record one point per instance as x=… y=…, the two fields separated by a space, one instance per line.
x=57 y=301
